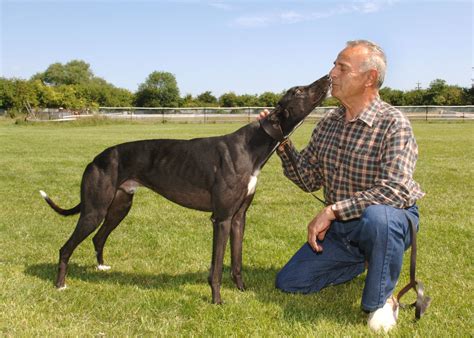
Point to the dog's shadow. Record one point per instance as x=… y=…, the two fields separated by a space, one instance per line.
x=47 y=271
x=330 y=304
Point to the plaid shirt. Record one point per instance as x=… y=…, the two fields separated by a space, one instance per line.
x=367 y=161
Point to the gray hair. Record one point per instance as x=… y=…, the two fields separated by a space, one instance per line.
x=376 y=60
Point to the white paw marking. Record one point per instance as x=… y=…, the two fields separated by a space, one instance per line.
x=103 y=267
x=62 y=288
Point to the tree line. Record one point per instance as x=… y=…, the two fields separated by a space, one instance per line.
x=74 y=86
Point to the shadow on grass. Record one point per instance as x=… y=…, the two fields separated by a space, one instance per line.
x=47 y=271
x=339 y=304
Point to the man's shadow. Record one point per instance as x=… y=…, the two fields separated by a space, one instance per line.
x=330 y=304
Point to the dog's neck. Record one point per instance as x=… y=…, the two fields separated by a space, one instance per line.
x=272 y=129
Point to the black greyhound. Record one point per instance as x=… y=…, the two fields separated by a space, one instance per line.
x=216 y=174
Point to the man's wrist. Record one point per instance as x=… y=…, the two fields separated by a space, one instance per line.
x=334 y=211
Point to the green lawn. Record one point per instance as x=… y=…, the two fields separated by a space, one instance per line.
x=161 y=252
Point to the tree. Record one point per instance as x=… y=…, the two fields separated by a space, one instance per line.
x=228 y=100
x=247 y=100
x=393 y=96
x=415 y=97
x=468 y=95
x=268 y=99
x=207 y=98
x=73 y=72
x=15 y=93
x=105 y=94
x=440 y=93
x=159 y=90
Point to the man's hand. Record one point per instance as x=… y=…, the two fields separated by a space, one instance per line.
x=263 y=114
x=318 y=227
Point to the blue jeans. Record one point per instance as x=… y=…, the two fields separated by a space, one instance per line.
x=380 y=237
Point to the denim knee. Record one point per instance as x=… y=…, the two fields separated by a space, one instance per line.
x=374 y=219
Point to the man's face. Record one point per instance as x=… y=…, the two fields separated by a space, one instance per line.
x=347 y=79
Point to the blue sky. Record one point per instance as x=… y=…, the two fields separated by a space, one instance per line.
x=247 y=47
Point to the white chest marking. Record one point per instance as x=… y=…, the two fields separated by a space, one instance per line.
x=252 y=183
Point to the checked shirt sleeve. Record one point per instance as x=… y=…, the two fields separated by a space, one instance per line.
x=394 y=184
x=307 y=164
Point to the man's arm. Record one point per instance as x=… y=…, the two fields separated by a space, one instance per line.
x=307 y=164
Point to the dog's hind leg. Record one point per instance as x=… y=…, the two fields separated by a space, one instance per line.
x=97 y=193
x=118 y=210
x=85 y=226
x=236 y=241
x=221 y=235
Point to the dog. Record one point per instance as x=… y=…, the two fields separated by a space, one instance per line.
x=213 y=174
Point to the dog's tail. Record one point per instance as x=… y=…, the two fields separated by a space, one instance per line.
x=61 y=211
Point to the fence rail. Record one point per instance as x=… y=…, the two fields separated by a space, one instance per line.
x=239 y=114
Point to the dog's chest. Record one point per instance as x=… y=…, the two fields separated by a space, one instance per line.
x=252 y=183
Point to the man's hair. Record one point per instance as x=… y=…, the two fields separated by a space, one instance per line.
x=376 y=60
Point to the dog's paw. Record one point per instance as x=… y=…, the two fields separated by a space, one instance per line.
x=103 y=267
x=62 y=288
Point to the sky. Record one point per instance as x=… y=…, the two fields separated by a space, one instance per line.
x=247 y=47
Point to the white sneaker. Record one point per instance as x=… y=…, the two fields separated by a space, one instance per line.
x=386 y=317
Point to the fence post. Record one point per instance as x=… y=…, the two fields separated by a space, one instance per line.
x=426 y=111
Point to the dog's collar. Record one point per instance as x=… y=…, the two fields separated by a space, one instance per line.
x=272 y=130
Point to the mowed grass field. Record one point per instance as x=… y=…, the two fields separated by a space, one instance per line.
x=160 y=254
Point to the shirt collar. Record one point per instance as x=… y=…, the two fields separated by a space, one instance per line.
x=367 y=115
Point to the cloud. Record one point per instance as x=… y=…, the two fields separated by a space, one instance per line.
x=221 y=5
x=292 y=16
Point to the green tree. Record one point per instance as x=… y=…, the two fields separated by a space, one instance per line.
x=468 y=96
x=247 y=100
x=393 y=96
x=207 y=98
x=440 y=93
x=268 y=99
x=15 y=93
x=415 y=97
x=159 y=90
x=188 y=101
x=228 y=100
x=73 y=72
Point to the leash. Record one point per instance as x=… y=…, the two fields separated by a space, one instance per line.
x=422 y=301
x=292 y=158
x=275 y=132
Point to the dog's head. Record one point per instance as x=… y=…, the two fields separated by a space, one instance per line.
x=297 y=103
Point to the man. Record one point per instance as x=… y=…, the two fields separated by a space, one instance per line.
x=363 y=154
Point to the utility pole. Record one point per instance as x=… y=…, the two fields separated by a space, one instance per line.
x=418 y=86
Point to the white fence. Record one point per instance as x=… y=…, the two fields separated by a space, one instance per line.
x=240 y=114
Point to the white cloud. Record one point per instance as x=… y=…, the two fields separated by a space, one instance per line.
x=221 y=5
x=292 y=17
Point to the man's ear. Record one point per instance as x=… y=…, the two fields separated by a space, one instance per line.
x=373 y=75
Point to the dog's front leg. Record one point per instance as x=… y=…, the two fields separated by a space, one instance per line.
x=221 y=235
x=236 y=243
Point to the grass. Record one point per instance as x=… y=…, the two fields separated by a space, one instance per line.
x=160 y=254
